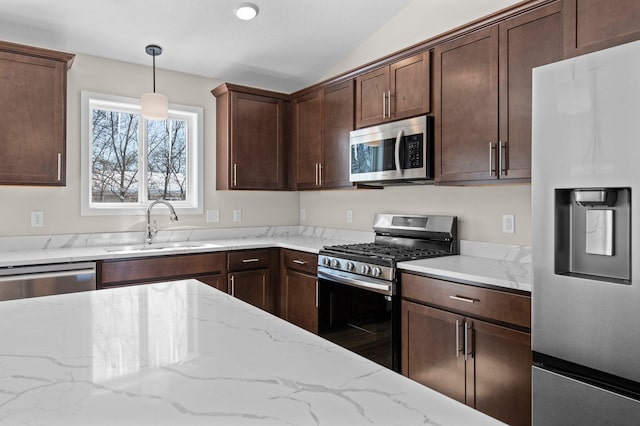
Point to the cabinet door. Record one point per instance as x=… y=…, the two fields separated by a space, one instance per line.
x=501 y=365
x=257 y=149
x=338 y=122
x=371 y=102
x=301 y=300
x=466 y=107
x=307 y=116
x=410 y=83
x=432 y=349
x=218 y=281
x=591 y=25
x=527 y=41
x=251 y=286
x=32 y=128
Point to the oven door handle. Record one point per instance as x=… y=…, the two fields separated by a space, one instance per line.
x=375 y=285
x=397 y=151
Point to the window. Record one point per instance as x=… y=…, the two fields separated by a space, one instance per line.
x=127 y=161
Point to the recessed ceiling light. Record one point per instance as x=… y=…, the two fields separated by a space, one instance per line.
x=246 y=11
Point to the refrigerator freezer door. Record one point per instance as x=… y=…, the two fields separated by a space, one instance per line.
x=586 y=134
x=560 y=400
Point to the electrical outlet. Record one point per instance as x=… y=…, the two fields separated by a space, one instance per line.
x=237 y=215
x=37 y=219
x=349 y=216
x=303 y=215
x=213 y=216
x=508 y=223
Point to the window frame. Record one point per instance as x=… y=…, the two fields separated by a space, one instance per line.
x=194 y=204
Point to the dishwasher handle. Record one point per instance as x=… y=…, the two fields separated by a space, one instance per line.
x=47 y=275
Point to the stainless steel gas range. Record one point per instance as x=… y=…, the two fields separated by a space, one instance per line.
x=358 y=296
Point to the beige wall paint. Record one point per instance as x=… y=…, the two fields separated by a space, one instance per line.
x=61 y=206
x=416 y=23
x=479 y=208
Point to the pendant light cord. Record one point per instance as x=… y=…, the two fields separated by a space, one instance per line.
x=154 y=72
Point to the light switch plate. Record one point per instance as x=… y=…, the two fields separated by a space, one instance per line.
x=303 y=215
x=237 y=215
x=349 y=216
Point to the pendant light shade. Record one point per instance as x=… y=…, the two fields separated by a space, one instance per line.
x=154 y=106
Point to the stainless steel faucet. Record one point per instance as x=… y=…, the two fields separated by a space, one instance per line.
x=173 y=216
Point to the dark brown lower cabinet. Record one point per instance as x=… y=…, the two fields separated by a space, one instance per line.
x=218 y=281
x=299 y=289
x=300 y=304
x=251 y=286
x=494 y=374
x=484 y=365
x=209 y=268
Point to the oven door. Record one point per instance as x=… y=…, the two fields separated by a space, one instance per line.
x=360 y=319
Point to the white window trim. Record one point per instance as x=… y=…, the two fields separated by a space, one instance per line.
x=196 y=157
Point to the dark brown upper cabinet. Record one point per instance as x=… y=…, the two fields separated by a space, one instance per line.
x=252 y=138
x=395 y=91
x=591 y=25
x=322 y=120
x=33 y=89
x=483 y=96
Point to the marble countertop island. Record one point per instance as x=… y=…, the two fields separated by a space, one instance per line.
x=182 y=353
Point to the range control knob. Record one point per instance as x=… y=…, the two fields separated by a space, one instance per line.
x=376 y=272
x=366 y=269
x=350 y=266
x=335 y=263
x=326 y=261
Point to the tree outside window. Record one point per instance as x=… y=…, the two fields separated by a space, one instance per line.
x=134 y=161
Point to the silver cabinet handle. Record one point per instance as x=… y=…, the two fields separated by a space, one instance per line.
x=319 y=174
x=384 y=105
x=233 y=286
x=389 y=103
x=316 y=294
x=59 y=166
x=316 y=174
x=462 y=299
x=492 y=168
x=299 y=262
x=458 y=349
x=503 y=160
x=255 y=259
x=467 y=326
x=235 y=174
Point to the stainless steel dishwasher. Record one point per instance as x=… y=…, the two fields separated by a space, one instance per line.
x=44 y=280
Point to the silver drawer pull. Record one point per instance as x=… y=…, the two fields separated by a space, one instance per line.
x=462 y=299
x=299 y=262
x=250 y=260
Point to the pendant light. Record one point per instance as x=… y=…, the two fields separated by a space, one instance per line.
x=154 y=106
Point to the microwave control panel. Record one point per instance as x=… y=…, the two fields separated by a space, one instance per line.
x=413 y=152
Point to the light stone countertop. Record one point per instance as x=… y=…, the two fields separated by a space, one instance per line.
x=183 y=353
x=490 y=272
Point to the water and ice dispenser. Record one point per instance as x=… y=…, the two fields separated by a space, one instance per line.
x=593 y=233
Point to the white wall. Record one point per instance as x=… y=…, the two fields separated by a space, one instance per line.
x=61 y=206
x=416 y=23
x=479 y=208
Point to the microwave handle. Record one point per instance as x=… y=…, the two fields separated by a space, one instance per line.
x=397 y=151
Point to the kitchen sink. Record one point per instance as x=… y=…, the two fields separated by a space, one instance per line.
x=178 y=245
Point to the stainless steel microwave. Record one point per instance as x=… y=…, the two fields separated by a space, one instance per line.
x=400 y=152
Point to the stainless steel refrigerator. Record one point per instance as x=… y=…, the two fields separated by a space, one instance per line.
x=586 y=239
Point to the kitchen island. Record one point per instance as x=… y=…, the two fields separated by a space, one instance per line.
x=182 y=353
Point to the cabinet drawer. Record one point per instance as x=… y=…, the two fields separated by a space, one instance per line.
x=140 y=270
x=467 y=299
x=249 y=259
x=300 y=261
